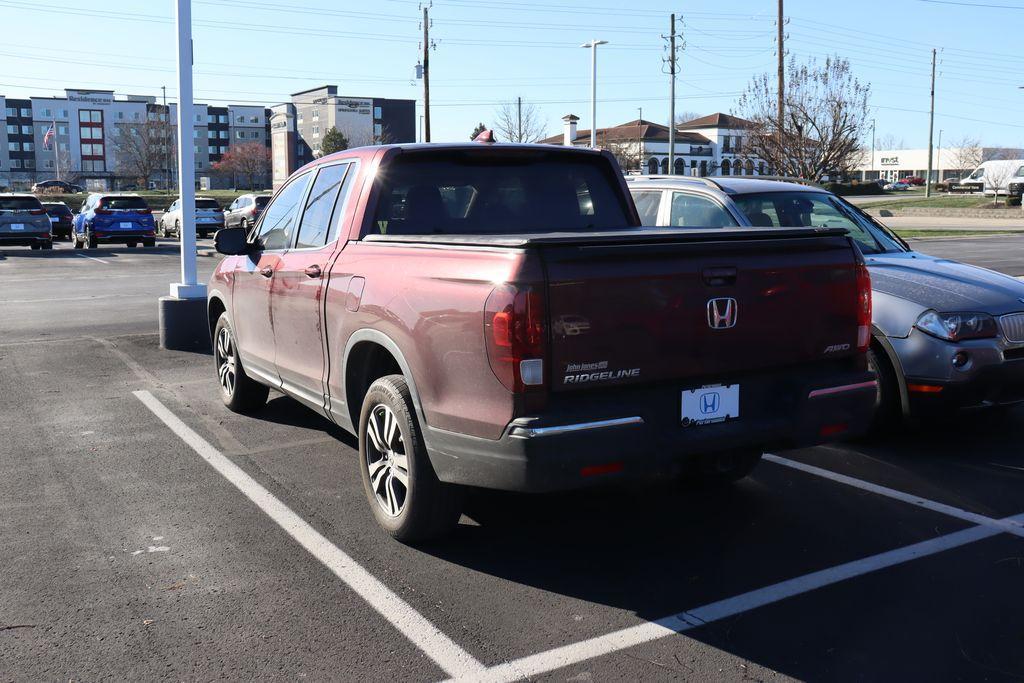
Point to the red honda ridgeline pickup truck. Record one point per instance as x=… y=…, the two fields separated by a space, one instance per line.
x=494 y=316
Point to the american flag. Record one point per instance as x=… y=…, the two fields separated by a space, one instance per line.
x=48 y=136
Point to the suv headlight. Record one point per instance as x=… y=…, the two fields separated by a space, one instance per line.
x=957 y=326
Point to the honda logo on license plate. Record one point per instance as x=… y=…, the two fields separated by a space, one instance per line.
x=722 y=313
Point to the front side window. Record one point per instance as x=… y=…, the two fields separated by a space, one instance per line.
x=806 y=210
x=647 y=203
x=278 y=223
x=695 y=211
x=319 y=220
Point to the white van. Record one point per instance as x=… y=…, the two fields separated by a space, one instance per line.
x=995 y=177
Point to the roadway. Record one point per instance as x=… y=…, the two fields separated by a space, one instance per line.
x=129 y=552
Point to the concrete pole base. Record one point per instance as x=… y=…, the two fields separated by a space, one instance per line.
x=184 y=325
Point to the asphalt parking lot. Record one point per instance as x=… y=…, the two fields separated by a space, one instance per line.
x=150 y=533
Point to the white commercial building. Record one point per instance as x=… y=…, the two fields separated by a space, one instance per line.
x=947 y=162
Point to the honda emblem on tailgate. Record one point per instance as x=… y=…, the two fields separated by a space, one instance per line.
x=722 y=313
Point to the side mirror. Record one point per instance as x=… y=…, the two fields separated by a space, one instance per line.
x=231 y=242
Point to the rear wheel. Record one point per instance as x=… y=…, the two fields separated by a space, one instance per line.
x=244 y=225
x=90 y=240
x=239 y=392
x=75 y=242
x=48 y=244
x=151 y=242
x=407 y=498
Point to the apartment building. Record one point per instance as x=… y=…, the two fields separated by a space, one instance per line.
x=85 y=123
x=298 y=126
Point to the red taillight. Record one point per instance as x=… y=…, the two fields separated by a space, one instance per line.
x=863 y=308
x=37 y=212
x=515 y=336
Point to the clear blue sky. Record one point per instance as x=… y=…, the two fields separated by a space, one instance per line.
x=490 y=51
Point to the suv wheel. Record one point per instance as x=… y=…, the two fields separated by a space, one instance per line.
x=177 y=229
x=406 y=497
x=887 y=396
x=239 y=392
x=90 y=240
x=244 y=225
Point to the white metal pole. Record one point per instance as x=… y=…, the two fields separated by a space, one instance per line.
x=593 y=94
x=56 y=147
x=189 y=286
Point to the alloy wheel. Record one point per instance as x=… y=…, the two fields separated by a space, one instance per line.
x=386 y=460
x=226 y=361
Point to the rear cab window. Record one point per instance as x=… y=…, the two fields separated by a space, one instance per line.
x=467 y=192
x=57 y=209
x=207 y=204
x=124 y=204
x=19 y=204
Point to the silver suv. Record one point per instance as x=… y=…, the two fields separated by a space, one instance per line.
x=945 y=334
x=23 y=222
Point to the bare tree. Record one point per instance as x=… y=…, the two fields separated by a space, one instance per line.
x=515 y=125
x=251 y=159
x=826 y=112
x=626 y=152
x=142 y=148
x=965 y=154
x=996 y=177
x=890 y=141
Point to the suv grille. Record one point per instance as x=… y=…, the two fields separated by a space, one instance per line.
x=1013 y=327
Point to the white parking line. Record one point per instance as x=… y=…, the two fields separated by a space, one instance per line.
x=93 y=258
x=455 y=661
x=1010 y=527
x=567 y=655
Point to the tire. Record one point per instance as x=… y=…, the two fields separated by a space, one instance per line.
x=404 y=493
x=74 y=241
x=722 y=469
x=177 y=229
x=161 y=231
x=887 y=398
x=151 y=242
x=48 y=244
x=238 y=391
x=90 y=241
x=244 y=225
x=131 y=245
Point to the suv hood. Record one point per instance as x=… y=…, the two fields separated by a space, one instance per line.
x=945 y=285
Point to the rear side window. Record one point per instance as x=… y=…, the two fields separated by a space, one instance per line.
x=278 y=222
x=317 y=227
x=484 y=193
x=124 y=203
x=207 y=204
x=695 y=211
x=19 y=204
x=647 y=204
x=261 y=202
x=57 y=210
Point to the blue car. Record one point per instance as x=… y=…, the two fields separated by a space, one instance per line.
x=114 y=219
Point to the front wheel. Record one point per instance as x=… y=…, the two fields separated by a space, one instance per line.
x=177 y=229
x=239 y=392
x=75 y=241
x=887 y=395
x=407 y=498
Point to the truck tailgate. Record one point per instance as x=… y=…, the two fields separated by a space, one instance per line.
x=692 y=312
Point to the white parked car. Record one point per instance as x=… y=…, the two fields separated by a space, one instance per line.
x=209 y=218
x=996 y=177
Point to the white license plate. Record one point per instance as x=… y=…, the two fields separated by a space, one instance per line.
x=127 y=225
x=17 y=226
x=711 y=404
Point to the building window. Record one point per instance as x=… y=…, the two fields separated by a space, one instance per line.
x=26 y=113
x=26 y=130
x=15 y=163
x=693 y=167
x=49 y=163
x=28 y=146
x=316 y=130
x=726 y=167
x=211 y=149
x=11 y=111
x=254 y=119
x=47 y=113
x=29 y=163
x=63 y=113
x=199 y=164
x=62 y=130
x=14 y=146
x=63 y=146
x=12 y=129
x=224 y=135
x=378 y=131
x=680 y=167
x=664 y=166
x=239 y=119
x=377 y=114
x=223 y=118
x=316 y=114
x=211 y=134
x=195 y=149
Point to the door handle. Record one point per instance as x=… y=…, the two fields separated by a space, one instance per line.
x=267 y=271
x=313 y=271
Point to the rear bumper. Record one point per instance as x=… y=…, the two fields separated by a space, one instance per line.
x=124 y=236
x=637 y=434
x=26 y=240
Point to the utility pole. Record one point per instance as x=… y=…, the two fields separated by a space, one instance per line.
x=519 y=119
x=672 y=95
x=931 y=128
x=782 y=74
x=872 y=171
x=426 y=72
x=640 y=142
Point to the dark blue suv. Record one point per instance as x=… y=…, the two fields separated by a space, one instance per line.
x=114 y=219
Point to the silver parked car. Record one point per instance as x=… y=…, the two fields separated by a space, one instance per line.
x=209 y=218
x=245 y=210
x=23 y=222
x=945 y=334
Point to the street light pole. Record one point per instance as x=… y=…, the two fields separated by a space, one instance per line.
x=938 y=159
x=872 y=169
x=183 y=318
x=593 y=88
